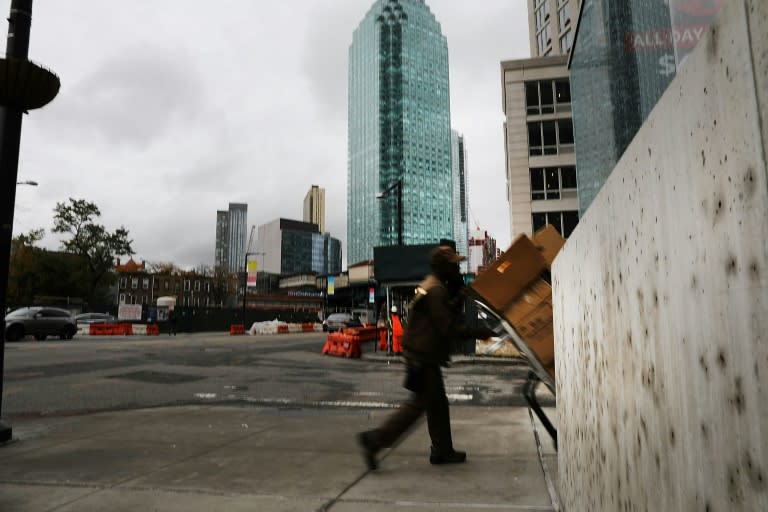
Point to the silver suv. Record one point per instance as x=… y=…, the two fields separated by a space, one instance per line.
x=39 y=322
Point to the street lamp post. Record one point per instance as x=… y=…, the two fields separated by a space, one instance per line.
x=24 y=86
x=399 y=186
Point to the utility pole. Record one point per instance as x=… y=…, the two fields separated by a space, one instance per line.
x=23 y=86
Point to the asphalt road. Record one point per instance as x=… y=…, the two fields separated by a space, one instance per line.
x=87 y=374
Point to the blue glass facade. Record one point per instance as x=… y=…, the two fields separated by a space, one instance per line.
x=399 y=129
x=625 y=55
x=305 y=251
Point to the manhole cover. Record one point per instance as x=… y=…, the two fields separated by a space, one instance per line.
x=157 y=377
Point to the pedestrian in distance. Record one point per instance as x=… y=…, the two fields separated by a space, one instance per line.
x=171 y=322
x=434 y=317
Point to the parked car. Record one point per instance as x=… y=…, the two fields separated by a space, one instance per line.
x=39 y=322
x=338 y=321
x=95 y=318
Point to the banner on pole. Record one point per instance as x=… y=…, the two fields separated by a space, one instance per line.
x=330 y=285
x=252 y=266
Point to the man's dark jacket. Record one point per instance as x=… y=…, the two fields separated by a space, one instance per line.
x=433 y=323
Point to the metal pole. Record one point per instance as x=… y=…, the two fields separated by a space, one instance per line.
x=245 y=285
x=17 y=47
x=399 y=212
x=390 y=327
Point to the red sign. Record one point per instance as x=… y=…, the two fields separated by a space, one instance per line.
x=703 y=8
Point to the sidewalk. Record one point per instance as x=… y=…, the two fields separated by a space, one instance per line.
x=208 y=458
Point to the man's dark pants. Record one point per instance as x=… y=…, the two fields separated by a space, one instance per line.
x=431 y=400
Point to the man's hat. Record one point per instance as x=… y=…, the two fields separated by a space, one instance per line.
x=445 y=254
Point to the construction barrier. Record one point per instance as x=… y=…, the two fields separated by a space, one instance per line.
x=236 y=329
x=153 y=330
x=342 y=345
x=383 y=339
x=100 y=329
x=283 y=329
x=123 y=330
x=367 y=333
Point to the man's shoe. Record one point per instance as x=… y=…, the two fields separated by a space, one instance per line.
x=367 y=441
x=452 y=457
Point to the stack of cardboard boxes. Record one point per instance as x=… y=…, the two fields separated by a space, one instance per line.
x=518 y=287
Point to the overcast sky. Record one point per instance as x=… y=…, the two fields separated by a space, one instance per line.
x=171 y=109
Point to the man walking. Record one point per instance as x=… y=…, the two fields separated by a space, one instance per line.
x=433 y=323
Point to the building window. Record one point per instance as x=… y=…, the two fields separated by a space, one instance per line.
x=166 y=284
x=121 y=300
x=547 y=97
x=544 y=39
x=156 y=284
x=123 y=282
x=144 y=300
x=550 y=137
x=197 y=285
x=176 y=286
x=562 y=94
x=187 y=285
x=564 y=15
x=566 y=41
x=563 y=222
x=549 y=183
x=145 y=283
x=134 y=283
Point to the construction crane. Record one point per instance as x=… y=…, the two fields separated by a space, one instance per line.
x=250 y=239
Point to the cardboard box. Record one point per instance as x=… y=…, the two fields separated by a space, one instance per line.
x=510 y=274
x=549 y=242
x=528 y=300
x=531 y=316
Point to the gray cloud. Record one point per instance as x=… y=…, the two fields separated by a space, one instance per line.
x=132 y=97
x=177 y=108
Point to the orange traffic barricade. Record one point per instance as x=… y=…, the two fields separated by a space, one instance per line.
x=342 y=345
x=100 y=329
x=236 y=329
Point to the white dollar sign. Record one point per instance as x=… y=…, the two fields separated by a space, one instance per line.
x=667 y=65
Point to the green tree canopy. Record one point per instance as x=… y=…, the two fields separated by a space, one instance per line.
x=91 y=241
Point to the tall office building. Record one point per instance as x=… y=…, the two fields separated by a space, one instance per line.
x=231 y=228
x=238 y=225
x=625 y=56
x=314 y=207
x=539 y=139
x=460 y=195
x=399 y=129
x=221 y=257
x=293 y=247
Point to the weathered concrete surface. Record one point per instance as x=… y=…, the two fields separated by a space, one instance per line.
x=278 y=460
x=661 y=298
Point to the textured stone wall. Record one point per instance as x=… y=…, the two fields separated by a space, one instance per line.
x=661 y=298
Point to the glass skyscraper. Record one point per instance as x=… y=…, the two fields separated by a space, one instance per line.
x=231 y=228
x=399 y=129
x=460 y=195
x=624 y=57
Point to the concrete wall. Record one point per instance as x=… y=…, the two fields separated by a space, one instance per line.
x=661 y=298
